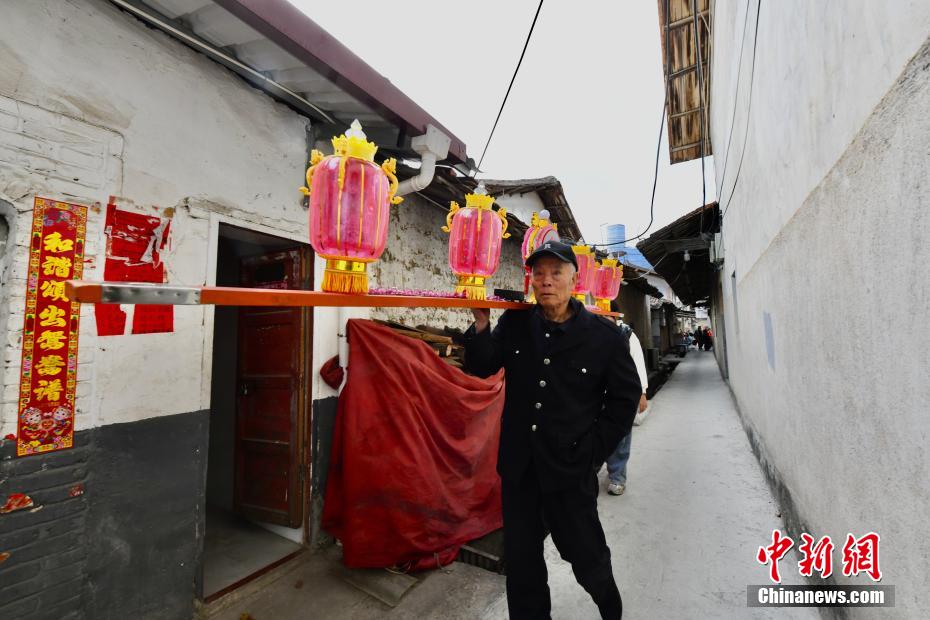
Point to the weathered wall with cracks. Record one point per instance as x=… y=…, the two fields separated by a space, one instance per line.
x=417 y=257
x=168 y=132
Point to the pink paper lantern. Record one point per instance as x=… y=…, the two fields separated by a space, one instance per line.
x=587 y=271
x=607 y=283
x=350 y=198
x=540 y=231
x=475 y=236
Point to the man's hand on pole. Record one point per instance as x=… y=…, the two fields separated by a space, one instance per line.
x=482 y=318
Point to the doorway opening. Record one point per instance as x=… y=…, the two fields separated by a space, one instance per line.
x=259 y=415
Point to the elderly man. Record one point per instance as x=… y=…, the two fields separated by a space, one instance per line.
x=571 y=395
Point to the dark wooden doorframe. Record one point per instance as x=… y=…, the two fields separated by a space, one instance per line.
x=273 y=394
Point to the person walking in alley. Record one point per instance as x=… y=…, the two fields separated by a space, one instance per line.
x=699 y=337
x=572 y=393
x=617 y=461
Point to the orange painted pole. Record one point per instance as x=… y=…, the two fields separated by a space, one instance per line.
x=165 y=294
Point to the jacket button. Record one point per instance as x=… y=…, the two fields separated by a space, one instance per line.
x=517 y=352
x=542 y=384
x=547 y=334
x=533 y=428
x=539 y=405
x=546 y=361
x=584 y=371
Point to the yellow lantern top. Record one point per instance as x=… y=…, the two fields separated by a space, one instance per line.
x=609 y=262
x=354 y=143
x=542 y=219
x=480 y=199
x=582 y=249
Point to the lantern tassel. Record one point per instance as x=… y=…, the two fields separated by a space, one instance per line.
x=472 y=286
x=345 y=276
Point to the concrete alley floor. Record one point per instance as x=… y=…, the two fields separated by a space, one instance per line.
x=685 y=533
x=683 y=537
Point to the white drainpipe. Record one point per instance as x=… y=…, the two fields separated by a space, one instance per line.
x=432 y=146
x=342 y=342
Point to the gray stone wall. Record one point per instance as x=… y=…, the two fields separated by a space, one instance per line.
x=417 y=256
x=116 y=528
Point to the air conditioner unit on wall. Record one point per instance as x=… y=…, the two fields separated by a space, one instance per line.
x=716 y=249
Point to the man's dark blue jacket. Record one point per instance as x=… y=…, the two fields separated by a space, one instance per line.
x=571 y=395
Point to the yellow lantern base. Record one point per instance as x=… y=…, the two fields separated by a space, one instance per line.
x=345 y=276
x=472 y=286
x=602 y=303
x=582 y=297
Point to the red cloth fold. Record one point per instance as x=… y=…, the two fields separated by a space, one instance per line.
x=332 y=372
x=413 y=469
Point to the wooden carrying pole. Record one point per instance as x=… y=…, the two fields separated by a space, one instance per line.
x=166 y=294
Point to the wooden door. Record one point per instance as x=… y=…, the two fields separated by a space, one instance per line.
x=273 y=396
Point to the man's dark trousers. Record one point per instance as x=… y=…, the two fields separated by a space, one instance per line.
x=571 y=517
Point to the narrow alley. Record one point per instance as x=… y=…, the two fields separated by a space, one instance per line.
x=291 y=288
x=685 y=533
x=695 y=501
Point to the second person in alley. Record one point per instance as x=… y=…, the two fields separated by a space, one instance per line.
x=572 y=392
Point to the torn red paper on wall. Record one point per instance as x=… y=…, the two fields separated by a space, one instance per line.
x=134 y=246
x=135 y=243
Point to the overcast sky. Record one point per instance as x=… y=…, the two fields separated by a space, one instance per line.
x=585 y=107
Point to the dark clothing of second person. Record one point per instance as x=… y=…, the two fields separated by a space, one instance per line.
x=572 y=392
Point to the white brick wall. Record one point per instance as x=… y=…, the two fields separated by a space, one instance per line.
x=44 y=153
x=106 y=106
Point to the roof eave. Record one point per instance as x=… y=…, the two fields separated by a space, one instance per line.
x=292 y=30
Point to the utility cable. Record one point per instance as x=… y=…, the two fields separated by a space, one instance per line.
x=700 y=74
x=739 y=71
x=752 y=74
x=512 y=79
x=655 y=177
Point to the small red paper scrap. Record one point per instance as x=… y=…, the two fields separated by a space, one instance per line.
x=16 y=501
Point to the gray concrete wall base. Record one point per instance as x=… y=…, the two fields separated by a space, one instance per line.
x=792 y=519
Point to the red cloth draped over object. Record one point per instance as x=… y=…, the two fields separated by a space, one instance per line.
x=413 y=472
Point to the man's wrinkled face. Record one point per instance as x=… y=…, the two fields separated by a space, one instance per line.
x=553 y=282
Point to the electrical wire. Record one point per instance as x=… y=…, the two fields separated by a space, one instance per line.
x=739 y=71
x=699 y=69
x=655 y=177
x=652 y=201
x=752 y=74
x=643 y=277
x=512 y=79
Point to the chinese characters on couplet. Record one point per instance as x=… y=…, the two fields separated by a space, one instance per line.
x=860 y=555
x=48 y=375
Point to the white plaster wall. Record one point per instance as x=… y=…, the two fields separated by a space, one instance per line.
x=47 y=154
x=827 y=234
x=522 y=206
x=664 y=288
x=171 y=129
x=821 y=68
